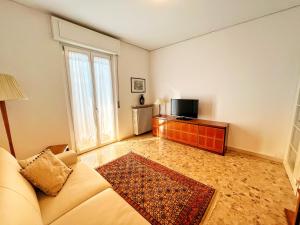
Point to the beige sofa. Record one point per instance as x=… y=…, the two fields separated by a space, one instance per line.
x=86 y=198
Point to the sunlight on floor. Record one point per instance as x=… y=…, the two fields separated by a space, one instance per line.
x=251 y=190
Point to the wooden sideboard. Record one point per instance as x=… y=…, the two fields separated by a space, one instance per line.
x=204 y=134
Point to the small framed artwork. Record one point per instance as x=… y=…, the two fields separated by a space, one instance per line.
x=138 y=85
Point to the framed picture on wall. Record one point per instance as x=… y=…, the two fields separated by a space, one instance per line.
x=138 y=85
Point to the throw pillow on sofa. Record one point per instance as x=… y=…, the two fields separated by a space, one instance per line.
x=46 y=172
x=24 y=162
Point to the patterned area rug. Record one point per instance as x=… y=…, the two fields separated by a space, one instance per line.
x=159 y=194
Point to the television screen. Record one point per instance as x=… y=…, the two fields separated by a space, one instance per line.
x=184 y=107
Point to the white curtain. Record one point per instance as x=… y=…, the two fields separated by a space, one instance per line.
x=104 y=99
x=92 y=98
x=82 y=100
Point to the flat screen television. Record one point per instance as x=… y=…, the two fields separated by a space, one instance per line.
x=186 y=108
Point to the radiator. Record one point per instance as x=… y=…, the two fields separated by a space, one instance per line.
x=142 y=119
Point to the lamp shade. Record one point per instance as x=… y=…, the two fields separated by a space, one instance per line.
x=161 y=101
x=164 y=101
x=158 y=101
x=9 y=88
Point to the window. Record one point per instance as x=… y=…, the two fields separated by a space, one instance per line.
x=92 y=98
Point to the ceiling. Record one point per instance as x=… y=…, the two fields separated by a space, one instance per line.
x=152 y=24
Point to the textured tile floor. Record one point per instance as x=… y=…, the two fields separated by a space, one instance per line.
x=251 y=190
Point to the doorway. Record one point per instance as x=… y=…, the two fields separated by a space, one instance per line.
x=91 y=94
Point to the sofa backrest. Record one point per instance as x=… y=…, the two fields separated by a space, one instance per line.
x=18 y=200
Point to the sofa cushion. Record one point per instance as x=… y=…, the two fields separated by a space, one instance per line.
x=47 y=173
x=18 y=200
x=69 y=157
x=24 y=162
x=82 y=184
x=5 y=156
x=106 y=208
x=17 y=210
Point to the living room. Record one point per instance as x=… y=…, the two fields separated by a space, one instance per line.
x=238 y=62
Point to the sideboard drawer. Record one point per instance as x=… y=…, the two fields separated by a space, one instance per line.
x=220 y=133
x=159 y=127
x=155 y=131
x=204 y=134
x=193 y=129
x=157 y=122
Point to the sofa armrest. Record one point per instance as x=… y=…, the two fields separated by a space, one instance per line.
x=68 y=157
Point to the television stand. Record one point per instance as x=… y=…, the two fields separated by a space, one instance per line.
x=204 y=134
x=184 y=118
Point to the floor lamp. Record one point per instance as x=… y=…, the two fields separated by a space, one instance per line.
x=9 y=90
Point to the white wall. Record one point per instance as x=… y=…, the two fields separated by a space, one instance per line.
x=35 y=60
x=30 y=54
x=246 y=75
x=133 y=62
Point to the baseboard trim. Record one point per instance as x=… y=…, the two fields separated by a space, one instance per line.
x=274 y=159
x=126 y=137
x=255 y=154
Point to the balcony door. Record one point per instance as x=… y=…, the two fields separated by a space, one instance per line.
x=292 y=159
x=91 y=97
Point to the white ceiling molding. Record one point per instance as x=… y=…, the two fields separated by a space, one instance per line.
x=152 y=24
x=74 y=34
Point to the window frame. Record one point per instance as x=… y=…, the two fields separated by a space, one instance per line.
x=113 y=64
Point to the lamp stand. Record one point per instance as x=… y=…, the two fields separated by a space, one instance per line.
x=159 y=110
x=6 y=125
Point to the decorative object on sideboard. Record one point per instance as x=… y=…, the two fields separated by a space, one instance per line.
x=159 y=102
x=138 y=85
x=9 y=90
x=165 y=101
x=142 y=99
